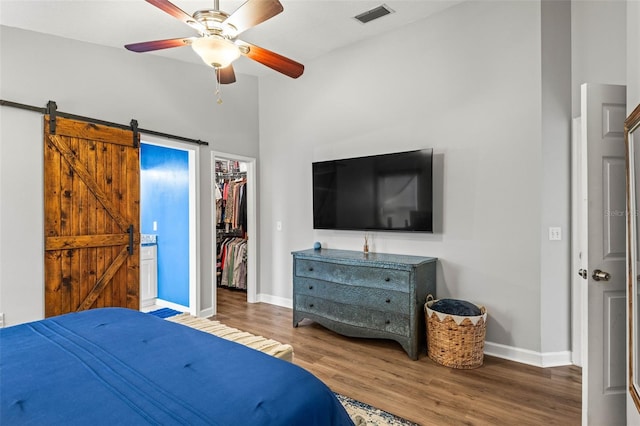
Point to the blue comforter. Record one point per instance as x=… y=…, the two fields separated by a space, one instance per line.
x=116 y=366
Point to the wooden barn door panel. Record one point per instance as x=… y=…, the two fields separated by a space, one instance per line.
x=92 y=199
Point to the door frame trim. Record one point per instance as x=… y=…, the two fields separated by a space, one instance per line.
x=252 y=246
x=193 y=152
x=577 y=236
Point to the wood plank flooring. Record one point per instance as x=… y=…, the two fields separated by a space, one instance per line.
x=379 y=373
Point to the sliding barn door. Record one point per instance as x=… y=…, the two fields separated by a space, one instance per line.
x=91 y=216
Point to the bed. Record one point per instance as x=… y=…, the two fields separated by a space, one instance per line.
x=119 y=366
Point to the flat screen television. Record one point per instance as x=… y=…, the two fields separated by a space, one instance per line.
x=389 y=192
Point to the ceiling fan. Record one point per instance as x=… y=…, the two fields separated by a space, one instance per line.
x=218 y=45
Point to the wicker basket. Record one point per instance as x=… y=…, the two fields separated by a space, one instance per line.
x=455 y=341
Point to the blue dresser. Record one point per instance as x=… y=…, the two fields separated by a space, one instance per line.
x=374 y=295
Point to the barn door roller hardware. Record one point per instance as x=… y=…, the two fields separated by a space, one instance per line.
x=136 y=137
x=52 y=110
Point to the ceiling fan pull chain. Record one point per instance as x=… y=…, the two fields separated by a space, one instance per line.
x=218 y=85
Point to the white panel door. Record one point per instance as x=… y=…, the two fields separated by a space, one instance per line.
x=604 y=360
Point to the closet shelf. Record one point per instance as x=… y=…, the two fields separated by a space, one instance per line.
x=231 y=175
x=231 y=233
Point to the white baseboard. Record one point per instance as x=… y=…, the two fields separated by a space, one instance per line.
x=146 y=303
x=275 y=300
x=526 y=356
x=205 y=313
x=171 y=305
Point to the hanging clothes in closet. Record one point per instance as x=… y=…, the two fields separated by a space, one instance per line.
x=231 y=204
x=231 y=226
x=234 y=263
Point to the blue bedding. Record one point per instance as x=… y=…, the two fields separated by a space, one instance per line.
x=117 y=366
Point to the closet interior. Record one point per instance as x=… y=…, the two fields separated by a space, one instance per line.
x=231 y=224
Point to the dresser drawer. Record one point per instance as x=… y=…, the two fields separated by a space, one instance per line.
x=376 y=298
x=370 y=276
x=357 y=316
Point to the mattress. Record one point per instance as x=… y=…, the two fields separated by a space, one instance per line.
x=119 y=366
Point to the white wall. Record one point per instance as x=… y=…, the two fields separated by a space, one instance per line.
x=113 y=85
x=598 y=45
x=466 y=82
x=555 y=281
x=21 y=216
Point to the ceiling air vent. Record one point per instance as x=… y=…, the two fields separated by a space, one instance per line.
x=375 y=13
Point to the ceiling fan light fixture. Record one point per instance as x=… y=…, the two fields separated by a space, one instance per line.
x=216 y=51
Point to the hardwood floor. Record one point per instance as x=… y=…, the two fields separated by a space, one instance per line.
x=379 y=373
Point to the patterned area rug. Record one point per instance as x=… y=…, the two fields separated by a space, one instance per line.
x=365 y=415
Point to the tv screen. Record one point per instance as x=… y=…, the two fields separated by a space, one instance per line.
x=389 y=192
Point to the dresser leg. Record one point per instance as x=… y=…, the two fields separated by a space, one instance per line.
x=296 y=320
x=411 y=349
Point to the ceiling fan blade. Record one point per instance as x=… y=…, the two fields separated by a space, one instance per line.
x=176 y=12
x=226 y=75
x=271 y=59
x=252 y=13
x=147 y=46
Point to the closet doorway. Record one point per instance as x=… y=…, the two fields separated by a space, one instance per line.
x=234 y=230
x=168 y=215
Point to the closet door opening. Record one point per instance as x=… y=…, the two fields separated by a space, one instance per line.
x=234 y=224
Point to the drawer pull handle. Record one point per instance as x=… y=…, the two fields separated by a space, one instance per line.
x=311 y=305
x=310 y=287
x=311 y=268
x=387 y=279
x=388 y=300
x=387 y=322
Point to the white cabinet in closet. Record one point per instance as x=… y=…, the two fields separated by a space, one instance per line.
x=148 y=275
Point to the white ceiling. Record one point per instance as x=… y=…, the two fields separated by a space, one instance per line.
x=305 y=30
